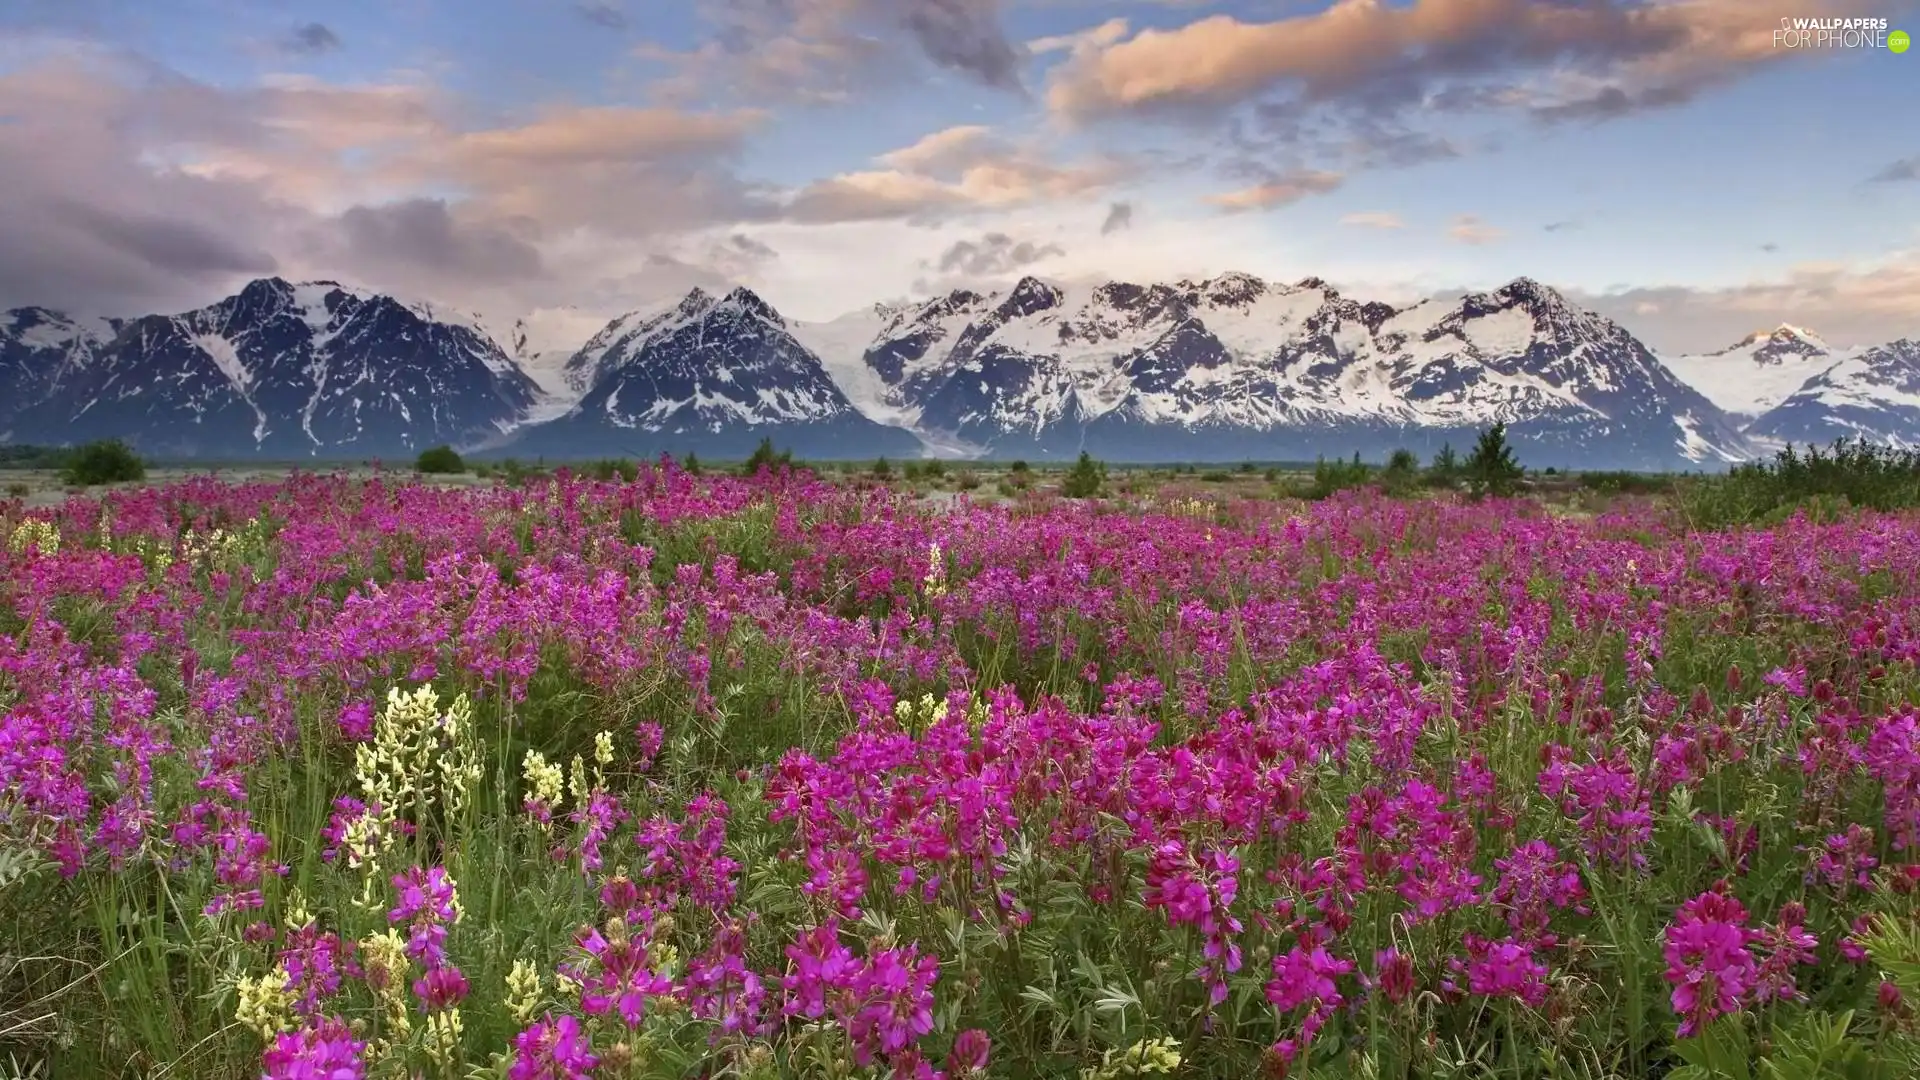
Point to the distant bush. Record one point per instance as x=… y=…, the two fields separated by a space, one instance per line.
x=439 y=460
x=933 y=469
x=882 y=469
x=763 y=457
x=19 y=489
x=107 y=462
x=1444 y=470
x=1215 y=476
x=33 y=457
x=1330 y=477
x=614 y=468
x=517 y=474
x=966 y=480
x=1019 y=468
x=1402 y=475
x=1085 y=479
x=1620 y=482
x=1848 y=474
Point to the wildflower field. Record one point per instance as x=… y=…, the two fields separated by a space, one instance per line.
x=688 y=776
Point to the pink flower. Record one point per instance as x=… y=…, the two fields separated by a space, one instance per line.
x=1708 y=961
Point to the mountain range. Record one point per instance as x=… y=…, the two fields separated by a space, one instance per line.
x=1230 y=368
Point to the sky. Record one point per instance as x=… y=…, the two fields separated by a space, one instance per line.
x=1670 y=163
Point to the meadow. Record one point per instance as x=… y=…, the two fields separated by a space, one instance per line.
x=657 y=774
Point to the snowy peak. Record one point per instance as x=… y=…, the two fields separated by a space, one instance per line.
x=702 y=366
x=748 y=303
x=1758 y=372
x=1782 y=344
x=1029 y=297
x=280 y=368
x=1871 y=394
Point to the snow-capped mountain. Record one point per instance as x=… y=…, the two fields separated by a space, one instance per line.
x=1236 y=367
x=708 y=375
x=1759 y=371
x=1224 y=369
x=39 y=349
x=1872 y=394
x=284 y=370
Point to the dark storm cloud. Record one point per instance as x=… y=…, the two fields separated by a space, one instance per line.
x=424 y=234
x=993 y=254
x=312 y=38
x=1119 y=216
x=601 y=13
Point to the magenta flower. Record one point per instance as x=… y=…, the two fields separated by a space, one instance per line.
x=1708 y=960
x=323 y=1050
x=553 y=1049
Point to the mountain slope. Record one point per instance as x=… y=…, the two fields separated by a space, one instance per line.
x=1873 y=394
x=38 y=350
x=288 y=370
x=1236 y=367
x=712 y=376
x=1759 y=371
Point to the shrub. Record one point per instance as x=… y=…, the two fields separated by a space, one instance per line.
x=611 y=468
x=106 y=462
x=1019 y=468
x=1402 y=473
x=1625 y=483
x=440 y=460
x=764 y=457
x=882 y=469
x=1085 y=479
x=1330 y=477
x=1848 y=473
x=966 y=480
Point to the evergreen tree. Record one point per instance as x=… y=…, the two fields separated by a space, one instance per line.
x=1492 y=469
x=1085 y=479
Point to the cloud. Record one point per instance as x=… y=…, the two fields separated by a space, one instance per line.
x=964 y=36
x=943 y=151
x=1279 y=191
x=738 y=256
x=826 y=50
x=1119 y=217
x=1864 y=303
x=1895 y=172
x=1469 y=229
x=1559 y=226
x=1579 y=59
x=994 y=254
x=601 y=13
x=952 y=171
x=133 y=188
x=421 y=240
x=1091 y=39
x=312 y=38
x=1374 y=219
x=1769 y=248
